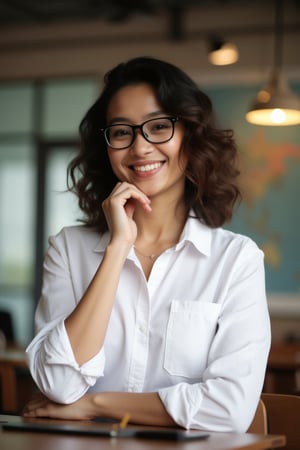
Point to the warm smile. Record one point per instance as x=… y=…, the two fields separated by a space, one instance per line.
x=147 y=168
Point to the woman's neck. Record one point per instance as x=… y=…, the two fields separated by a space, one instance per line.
x=158 y=230
x=162 y=225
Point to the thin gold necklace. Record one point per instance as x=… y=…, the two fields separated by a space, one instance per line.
x=152 y=257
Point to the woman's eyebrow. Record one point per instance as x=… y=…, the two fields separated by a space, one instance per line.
x=118 y=120
x=121 y=119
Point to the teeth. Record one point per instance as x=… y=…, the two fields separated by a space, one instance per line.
x=147 y=167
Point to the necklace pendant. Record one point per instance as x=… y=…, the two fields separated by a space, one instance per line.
x=152 y=257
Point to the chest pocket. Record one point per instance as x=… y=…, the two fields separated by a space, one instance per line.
x=190 y=331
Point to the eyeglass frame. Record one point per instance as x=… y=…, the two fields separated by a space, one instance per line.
x=140 y=127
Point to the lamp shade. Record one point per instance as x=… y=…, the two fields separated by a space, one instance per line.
x=222 y=53
x=275 y=104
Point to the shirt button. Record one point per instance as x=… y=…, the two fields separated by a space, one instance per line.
x=142 y=329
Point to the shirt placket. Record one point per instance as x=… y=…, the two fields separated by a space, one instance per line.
x=139 y=357
x=139 y=354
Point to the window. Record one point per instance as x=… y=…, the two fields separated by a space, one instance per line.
x=33 y=201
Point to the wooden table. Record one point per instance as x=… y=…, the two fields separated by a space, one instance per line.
x=10 y=360
x=283 y=369
x=12 y=440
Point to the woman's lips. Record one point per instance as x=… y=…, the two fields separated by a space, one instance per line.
x=150 y=167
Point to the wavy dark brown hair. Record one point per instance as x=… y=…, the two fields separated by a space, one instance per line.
x=211 y=188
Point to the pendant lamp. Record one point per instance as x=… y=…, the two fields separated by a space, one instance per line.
x=276 y=104
x=222 y=53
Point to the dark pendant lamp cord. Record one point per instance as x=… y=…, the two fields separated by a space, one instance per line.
x=278 y=34
x=276 y=104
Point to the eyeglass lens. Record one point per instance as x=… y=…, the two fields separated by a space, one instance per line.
x=155 y=131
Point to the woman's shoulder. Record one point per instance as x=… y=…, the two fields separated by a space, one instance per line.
x=219 y=235
x=75 y=235
x=235 y=240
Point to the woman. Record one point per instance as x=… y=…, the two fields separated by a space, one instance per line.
x=151 y=307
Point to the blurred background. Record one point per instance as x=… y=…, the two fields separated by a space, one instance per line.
x=53 y=55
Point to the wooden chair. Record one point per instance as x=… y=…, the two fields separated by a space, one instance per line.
x=283 y=369
x=259 y=424
x=283 y=412
x=6 y=326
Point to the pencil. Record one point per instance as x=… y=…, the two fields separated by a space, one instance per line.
x=121 y=425
x=124 y=421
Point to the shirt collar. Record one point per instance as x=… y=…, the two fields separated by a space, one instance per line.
x=195 y=232
x=103 y=242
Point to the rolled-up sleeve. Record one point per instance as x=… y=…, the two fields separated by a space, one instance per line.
x=227 y=396
x=51 y=362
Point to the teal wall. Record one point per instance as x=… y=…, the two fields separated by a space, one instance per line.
x=270 y=162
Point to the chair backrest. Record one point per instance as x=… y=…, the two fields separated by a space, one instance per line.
x=259 y=423
x=283 y=413
x=6 y=325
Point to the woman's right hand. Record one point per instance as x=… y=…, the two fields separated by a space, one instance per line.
x=41 y=406
x=119 y=209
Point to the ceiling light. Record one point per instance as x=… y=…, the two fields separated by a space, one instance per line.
x=276 y=104
x=222 y=53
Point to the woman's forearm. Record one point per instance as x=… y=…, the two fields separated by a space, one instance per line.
x=87 y=324
x=143 y=408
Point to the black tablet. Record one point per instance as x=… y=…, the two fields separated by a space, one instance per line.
x=174 y=434
x=67 y=428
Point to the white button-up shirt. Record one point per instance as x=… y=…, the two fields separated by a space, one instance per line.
x=197 y=331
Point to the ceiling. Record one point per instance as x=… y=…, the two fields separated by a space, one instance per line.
x=16 y=12
x=60 y=37
x=37 y=11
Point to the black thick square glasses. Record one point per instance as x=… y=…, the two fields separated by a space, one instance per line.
x=156 y=131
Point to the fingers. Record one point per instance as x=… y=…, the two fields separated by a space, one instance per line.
x=124 y=192
x=37 y=407
x=119 y=209
x=38 y=412
x=34 y=403
x=43 y=407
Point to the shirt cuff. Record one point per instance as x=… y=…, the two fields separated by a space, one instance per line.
x=58 y=351
x=182 y=402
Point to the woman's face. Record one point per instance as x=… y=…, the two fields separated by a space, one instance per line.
x=154 y=168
